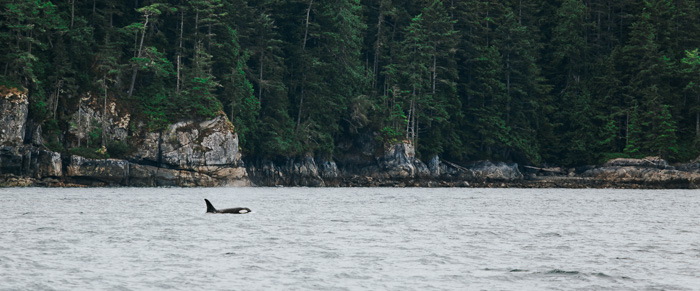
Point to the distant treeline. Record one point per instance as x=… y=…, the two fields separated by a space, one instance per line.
x=552 y=81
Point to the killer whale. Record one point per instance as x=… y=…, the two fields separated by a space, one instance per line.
x=237 y=210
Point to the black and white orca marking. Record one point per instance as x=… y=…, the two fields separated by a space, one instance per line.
x=237 y=210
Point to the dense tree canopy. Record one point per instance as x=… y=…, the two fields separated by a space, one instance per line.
x=564 y=82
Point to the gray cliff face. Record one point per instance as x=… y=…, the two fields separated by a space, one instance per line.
x=187 y=154
x=147 y=148
x=16 y=158
x=189 y=150
x=650 y=172
x=648 y=162
x=109 y=171
x=206 y=153
x=398 y=161
x=302 y=172
x=89 y=118
x=30 y=161
x=191 y=145
x=14 y=108
x=496 y=172
x=395 y=166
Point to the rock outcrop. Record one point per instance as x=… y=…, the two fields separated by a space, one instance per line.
x=302 y=172
x=107 y=171
x=191 y=145
x=648 y=162
x=14 y=108
x=30 y=161
x=206 y=149
x=187 y=153
x=650 y=172
x=205 y=153
x=22 y=164
x=395 y=166
x=88 y=119
x=486 y=170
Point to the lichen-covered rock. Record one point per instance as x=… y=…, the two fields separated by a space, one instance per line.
x=47 y=164
x=398 y=161
x=188 y=153
x=14 y=107
x=149 y=176
x=302 y=172
x=648 y=162
x=111 y=171
x=648 y=172
x=147 y=149
x=142 y=175
x=34 y=133
x=9 y=180
x=185 y=178
x=646 y=176
x=422 y=170
x=434 y=166
x=189 y=150
x=306 y=172
x=329 y=172
x=189 y=144
x=30 y=161
x=11 y=160
x=88 y=119
x=498 y=172
x=328 y=169
x=693 y=167
x=227 y=176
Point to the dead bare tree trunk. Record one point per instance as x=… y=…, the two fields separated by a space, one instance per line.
x=138 y=55
x=377 y=46
x=57 y=94
x=627 y=128
x=104 y=110
x=303 y=79
x=260 y=82
x=72 y=13
x=80 y=118
x=179 y=52
x=262 y=60
x=434 y=72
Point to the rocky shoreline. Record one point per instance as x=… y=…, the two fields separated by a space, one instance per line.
x=397 y=168
x=205 y=154
x=185 y=154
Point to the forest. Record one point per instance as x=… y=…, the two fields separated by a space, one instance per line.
x=559 y=82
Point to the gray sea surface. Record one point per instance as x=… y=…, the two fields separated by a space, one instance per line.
x=349 y=239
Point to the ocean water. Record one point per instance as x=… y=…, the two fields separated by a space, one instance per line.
x=349 y=239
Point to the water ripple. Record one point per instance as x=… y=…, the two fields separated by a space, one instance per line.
x=349 y=239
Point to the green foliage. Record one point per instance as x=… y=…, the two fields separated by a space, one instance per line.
x=156 y=109
x=90 y=153
x=51 y=136
x=118 y=149
x=559 y=82
x=633 y=146
x=94 y=136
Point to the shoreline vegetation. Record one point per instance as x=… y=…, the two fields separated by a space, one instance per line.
x=425 y=93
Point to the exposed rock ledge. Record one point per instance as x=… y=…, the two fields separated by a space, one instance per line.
x=187 y=153
x=205 y=153
x=394 y=166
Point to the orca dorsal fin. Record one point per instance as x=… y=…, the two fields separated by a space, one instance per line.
x=210 y=208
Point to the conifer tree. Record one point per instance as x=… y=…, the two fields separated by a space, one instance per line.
x=647 y=82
